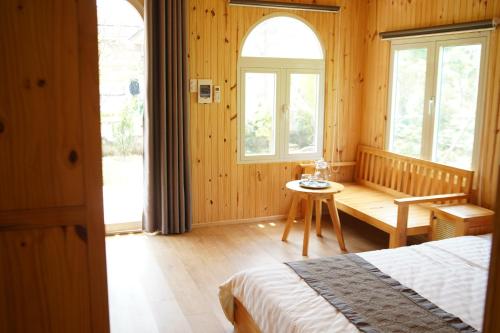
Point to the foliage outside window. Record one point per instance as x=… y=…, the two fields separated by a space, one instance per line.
x=281 y=92
x=436 y=93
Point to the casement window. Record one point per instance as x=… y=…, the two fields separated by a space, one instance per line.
x=280 y=92
x=436 y=93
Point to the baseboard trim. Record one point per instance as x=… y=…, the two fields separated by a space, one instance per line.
x=131 y=227
x=261 y=219
x=122 y=228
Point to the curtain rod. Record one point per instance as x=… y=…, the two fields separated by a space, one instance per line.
x=441 y=29
x=284 y=5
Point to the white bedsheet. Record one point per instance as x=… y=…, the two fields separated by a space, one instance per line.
x=451 y=273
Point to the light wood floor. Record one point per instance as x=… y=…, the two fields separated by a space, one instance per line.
x=169 y=283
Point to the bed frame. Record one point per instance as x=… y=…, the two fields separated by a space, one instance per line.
x=243 y=321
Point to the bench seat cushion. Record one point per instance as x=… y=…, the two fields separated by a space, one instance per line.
x=378 y=209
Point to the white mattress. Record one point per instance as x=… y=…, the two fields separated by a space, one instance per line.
x=451 y=273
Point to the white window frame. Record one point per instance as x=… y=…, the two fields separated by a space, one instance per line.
x=433 y=44
x=283 y=67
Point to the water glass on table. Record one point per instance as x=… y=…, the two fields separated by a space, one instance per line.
x=305 y=176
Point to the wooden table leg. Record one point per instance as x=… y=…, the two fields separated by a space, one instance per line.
x=291 y=216
x=307 y=225
x=334 y=214
x=318 y=216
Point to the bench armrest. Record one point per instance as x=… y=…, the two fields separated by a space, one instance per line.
x=399 y=238
x=430 y=198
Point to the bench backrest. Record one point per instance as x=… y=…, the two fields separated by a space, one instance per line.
x=399 y=174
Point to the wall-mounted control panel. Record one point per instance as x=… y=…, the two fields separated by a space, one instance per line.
x=205 y=91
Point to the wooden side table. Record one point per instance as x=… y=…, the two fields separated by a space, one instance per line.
x=314 y=198
x=455 y=220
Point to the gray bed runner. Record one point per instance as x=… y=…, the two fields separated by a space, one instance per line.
x=373 y=301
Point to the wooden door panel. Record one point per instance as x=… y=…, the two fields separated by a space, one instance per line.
x=52 y=277
x=44 y=283
x=40 y=119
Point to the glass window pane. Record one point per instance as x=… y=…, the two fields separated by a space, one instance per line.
x=456 y=104
x=304 y=111
x=260 y=111
x=408 y=93
x=282 y=37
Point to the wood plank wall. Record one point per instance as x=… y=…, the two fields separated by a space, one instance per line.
x=386 y=15
x=222 y=190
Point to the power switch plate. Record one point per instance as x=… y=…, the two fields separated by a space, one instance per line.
x=193 y=85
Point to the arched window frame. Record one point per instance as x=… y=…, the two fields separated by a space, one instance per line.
x=138 y=5
x=283 y=68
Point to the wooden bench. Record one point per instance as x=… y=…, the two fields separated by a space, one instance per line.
x=394 y=192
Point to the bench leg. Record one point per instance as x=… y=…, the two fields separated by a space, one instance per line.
x=402 y=226
x=307 y=225
x=393 y=240
x=334 y=214
x=318 y=217
x=291 y=216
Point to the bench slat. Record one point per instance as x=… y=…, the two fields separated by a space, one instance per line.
x=378 y=207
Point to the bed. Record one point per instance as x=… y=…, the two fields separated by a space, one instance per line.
x=451 y=273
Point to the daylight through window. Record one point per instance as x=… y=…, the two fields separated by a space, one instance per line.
x=436 y=94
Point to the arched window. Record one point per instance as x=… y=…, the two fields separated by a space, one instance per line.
x=281 y=92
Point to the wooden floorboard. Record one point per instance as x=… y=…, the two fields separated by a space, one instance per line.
x=169 y=283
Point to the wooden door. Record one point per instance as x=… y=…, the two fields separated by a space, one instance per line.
x=52 y=261
x=492 y=309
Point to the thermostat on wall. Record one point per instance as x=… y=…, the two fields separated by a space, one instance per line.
x=204 y=91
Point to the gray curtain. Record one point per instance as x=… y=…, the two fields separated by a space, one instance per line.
x=167 y=207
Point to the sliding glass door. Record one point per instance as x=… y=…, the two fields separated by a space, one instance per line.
x=121 y=85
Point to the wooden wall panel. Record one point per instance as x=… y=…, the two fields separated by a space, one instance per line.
x=223 y=190
x=386 y=15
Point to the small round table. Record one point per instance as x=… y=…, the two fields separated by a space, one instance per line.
x=314 y=198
